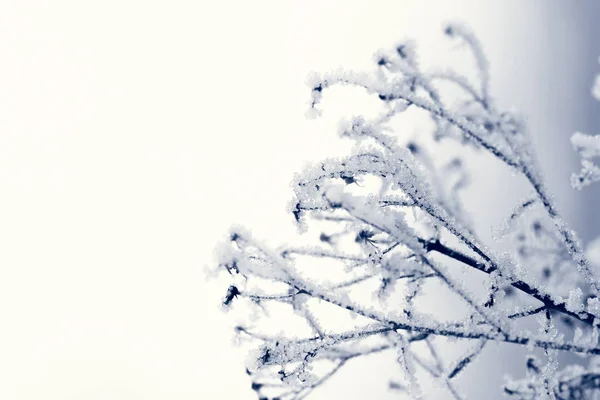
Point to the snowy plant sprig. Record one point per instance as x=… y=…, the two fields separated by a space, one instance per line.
x=389 y=230
x=588 y=147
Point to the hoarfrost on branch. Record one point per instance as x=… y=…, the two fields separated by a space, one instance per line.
x=391 y=227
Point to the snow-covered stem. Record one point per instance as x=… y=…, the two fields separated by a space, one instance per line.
x=391 y=224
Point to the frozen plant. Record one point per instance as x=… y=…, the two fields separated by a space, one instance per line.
x=392 y=238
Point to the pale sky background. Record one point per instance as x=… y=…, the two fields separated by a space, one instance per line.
x=133 y=133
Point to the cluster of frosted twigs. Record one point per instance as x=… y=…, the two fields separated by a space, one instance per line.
x=392 y=231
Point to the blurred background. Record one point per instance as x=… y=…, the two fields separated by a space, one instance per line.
x=133 y=134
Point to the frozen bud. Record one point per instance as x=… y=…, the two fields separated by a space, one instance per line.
x=593 y=306
x=575 y=300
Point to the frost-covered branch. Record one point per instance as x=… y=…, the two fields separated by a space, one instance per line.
x=390 y=230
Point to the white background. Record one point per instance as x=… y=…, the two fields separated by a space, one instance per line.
x=132 y=134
